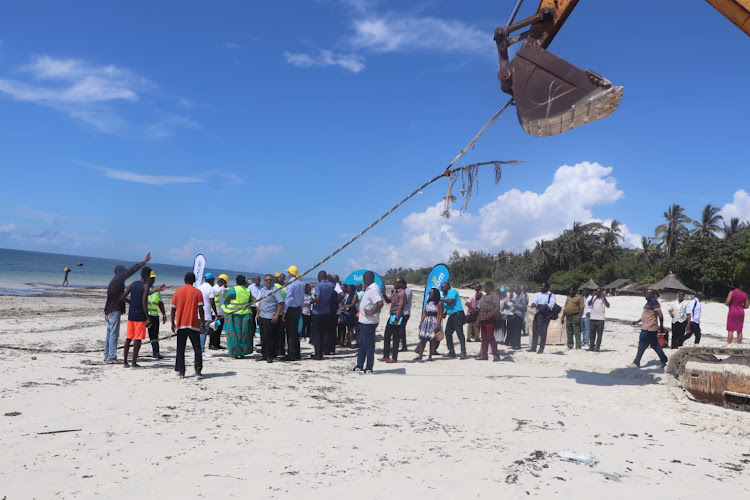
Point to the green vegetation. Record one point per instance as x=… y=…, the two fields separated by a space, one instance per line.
x=706 y=258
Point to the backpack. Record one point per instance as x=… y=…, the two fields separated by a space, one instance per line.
x=555 y=311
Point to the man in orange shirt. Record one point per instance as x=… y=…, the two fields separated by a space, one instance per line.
x=188 y=321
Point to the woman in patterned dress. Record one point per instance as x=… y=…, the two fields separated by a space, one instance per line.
x=430 y=324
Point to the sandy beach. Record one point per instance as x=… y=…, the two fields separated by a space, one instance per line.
x=443 y=429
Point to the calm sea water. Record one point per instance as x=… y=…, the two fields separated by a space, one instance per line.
x=35 y=273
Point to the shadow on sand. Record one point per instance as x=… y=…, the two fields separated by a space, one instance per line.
x=618 y=376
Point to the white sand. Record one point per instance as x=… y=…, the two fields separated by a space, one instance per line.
x=445 y=429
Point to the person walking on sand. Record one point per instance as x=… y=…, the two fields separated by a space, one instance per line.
x=737 y=301
x=155 y=305
x=430 y=324
x=694 y=310
x=239 y=323
x=572 y=317
x=65 y=281
x=138 y=319
x=369 y=317
x=455 y=312
x=489 y=307
x=188 y=321
x=397 y=301
x=678 y=312
x=544 y=302
x=651 y=322
x=598 y=305
x=115 y=307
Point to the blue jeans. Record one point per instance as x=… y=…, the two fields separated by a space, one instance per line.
x=649 y=339
x=113 y=333
x=366 y=346
x=585 y=328
x=203 y=340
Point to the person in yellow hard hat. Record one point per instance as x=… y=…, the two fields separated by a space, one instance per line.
x=65 y=281
x=295 y=298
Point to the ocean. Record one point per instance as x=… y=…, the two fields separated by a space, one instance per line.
x=37 y=273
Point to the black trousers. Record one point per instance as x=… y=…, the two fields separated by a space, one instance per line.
x=455 y=323
x=292 y=334
x=214 y=336
x=306 y=325
x=403 y=330
x=153 y=334
x=279 y=340
x=515 y=338
x=539 y=331
x=325 y=337
x=195 y=339
x=392 y=332
x=267 y=338
x=678 y=335
x=695 y=329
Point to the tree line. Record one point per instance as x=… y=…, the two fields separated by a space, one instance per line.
x=705 y=254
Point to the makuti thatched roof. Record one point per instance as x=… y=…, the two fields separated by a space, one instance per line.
x=617 y=283
x=590 y=284
x=670 y=283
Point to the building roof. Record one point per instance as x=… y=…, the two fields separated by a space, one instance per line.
x=590 y=284
x=670 y=283
x=618 y=283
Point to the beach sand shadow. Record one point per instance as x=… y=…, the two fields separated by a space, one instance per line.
x=218 y=375
x=393 y=371
x=618 y=376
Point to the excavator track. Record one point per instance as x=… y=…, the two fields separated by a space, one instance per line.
x=718 y=375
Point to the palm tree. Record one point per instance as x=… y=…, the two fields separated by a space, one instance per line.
x=650 y=252
x=613 y=233
x=561 y=254
x=734 y=227
x=544 y=254
x=709 y=223
x=673 y=231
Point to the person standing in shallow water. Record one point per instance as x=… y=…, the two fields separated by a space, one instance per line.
x=65 y=281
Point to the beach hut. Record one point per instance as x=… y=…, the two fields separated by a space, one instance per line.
x=590 y=284
x=614 y=287
x=671 y=284
x=631 y=289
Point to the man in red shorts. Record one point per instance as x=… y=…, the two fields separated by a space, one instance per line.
x=138 y=319
x=188 y=321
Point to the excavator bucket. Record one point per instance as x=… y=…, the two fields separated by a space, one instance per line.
x=553 y=96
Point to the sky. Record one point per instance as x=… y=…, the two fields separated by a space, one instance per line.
x=266 y=134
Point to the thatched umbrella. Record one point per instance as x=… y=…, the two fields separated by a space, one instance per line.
x=670 y=283
x=590 y=284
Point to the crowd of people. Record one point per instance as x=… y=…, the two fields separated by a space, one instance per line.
x=330 y=315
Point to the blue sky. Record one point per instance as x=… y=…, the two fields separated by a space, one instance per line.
x=265 y=134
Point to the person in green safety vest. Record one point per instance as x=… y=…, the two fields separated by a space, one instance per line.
x=239 y=324
x=155 y=305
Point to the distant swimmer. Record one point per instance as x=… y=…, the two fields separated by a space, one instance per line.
x=65 y=281
x=80 y=264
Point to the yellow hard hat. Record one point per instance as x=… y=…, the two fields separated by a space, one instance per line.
x=277 y=274
x=293 y=270
x=153 y=275
x=224 y=277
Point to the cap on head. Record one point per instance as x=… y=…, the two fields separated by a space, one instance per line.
x=208 y=276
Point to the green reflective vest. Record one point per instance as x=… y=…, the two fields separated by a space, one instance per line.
x=153 y=303
x=239 y=304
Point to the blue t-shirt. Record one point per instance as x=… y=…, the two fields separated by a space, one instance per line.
x=456 y=305
x=323 y=289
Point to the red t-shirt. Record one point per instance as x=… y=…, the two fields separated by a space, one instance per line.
x=186 y=301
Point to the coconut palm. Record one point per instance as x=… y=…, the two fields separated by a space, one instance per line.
x=650 y=252
x=612 y=233
x=673 y=231
x=709 y=223
x=734 y=227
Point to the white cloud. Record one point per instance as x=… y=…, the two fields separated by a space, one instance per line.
x=231 y=45
x=154 y=180
x=165 y=127
x=512 y=222
x=247 y=257
x=8 y=228
x=740 y=207
x=349 y=62
x=262 y=253
x=394 y=33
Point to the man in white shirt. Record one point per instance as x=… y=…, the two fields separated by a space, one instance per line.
x=407 y=312
x=586 y=317
x=220 y=292
x=209 y=307
x=678 y=313
x=599 y=303
x=369 y=317
x=543 y=303
x=694 y=309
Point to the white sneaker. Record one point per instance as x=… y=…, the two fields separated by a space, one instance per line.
x=633 y=365
x=207 y=355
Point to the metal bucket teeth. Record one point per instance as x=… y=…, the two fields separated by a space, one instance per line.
x=597 y=105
